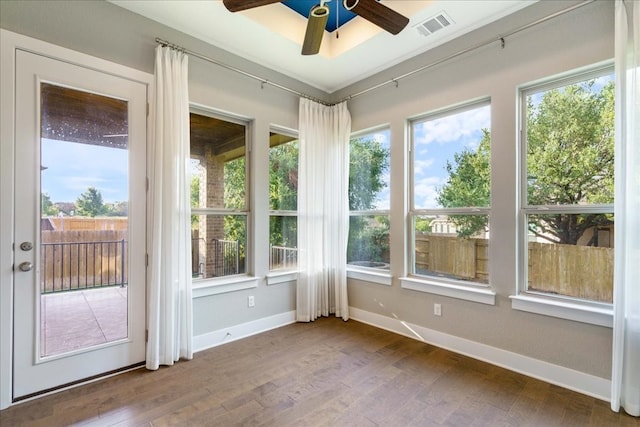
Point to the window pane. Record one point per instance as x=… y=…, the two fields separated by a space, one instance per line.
x=218 y=165
x=451 y=160
x=369 y=241
x=571 y=255
x=283 y=242
x=283 y=173
x=369 y=171
x=84 y=238
x=218 y=245
x=443 y=250
x=570 y=144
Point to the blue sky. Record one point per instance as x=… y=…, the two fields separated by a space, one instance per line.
x=436 y=141
x=74 y=167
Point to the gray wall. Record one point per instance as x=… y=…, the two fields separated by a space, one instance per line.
x=581 y=38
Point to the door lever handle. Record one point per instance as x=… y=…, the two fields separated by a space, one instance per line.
x=25 y=266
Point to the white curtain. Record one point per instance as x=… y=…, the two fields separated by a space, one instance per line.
x=625 y=378
x=323 y=210
x=169 y=296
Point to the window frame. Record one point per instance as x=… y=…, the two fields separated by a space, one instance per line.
x=561 y=306
x=282 y=275
x=246 y=280
x=461 y=289
x=372 y=274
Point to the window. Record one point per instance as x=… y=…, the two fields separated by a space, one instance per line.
x=567 y=167
x=219 y=196
x=369 y=200
x=450 y=194
x=283 y=201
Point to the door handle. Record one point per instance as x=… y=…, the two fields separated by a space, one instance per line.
x=25 y=266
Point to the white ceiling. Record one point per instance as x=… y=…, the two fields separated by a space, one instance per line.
x=272 y=35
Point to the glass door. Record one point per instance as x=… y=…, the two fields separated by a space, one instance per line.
x=79 y=222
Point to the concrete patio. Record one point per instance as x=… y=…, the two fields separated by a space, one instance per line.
x=80 y=319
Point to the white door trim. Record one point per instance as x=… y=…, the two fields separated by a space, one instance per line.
x=9 y=43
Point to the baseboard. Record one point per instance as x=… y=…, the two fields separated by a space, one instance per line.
x=571 y=379
x=243 y=330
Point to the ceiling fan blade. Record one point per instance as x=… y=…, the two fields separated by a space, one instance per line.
x=315 y=29
x=238 y=5
x=379 y=14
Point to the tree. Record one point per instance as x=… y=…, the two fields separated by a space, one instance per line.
x=90 y=203
x=116 y=209
x=570 y=158
x=569 y=162
x=235 y=226
x=468 y=185
x=368 y=160
x=283 y=193
x=368 y=237
x=46 y=206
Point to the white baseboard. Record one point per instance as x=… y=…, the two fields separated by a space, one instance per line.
x=571 y=379
x=243 y=330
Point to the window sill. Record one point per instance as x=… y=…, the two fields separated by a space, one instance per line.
x=563 y=309
x=473 y=293
x=378 y=277
x=206 y=287
x=275 y=277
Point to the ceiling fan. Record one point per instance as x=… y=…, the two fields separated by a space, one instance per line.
x=371 y=10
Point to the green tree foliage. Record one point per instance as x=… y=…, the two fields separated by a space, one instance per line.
x=368 y=160
x=468 y=185
x=570 y=152
x=46 y=206
x=570 y=136
x=368 y=237
x=195 y=199
x=235 y=226
x=116 y=209
x=283 y=193
x=283 y=177
x=90 y=203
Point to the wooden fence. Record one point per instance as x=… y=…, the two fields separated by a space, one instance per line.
x=465 y=259
x=71 y=260
x=93 y=224
x=576 y=271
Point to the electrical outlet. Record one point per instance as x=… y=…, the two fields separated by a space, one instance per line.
x=437 y=310
x=251 y=301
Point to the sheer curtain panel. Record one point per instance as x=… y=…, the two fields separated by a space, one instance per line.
x=169 y=296
x=323 y=210
x=625 y=378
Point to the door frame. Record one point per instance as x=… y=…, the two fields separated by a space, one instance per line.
x=9 y=44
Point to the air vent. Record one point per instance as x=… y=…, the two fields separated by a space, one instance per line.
x=434 y=24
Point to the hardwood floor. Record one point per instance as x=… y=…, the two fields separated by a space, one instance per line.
x=324 y=373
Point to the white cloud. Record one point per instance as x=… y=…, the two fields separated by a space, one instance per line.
x=420 y=166
x=453 y=127
x=425 y=192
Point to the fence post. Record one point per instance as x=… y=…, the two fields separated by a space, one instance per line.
x=122 y=263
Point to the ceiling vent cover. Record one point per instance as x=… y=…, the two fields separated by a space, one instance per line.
x=434 y=24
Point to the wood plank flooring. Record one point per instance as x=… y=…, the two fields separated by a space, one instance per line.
x=325 y=373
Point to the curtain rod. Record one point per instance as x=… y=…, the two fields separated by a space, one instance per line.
x=395 y=80
x=262 y=80
x=500 y=38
